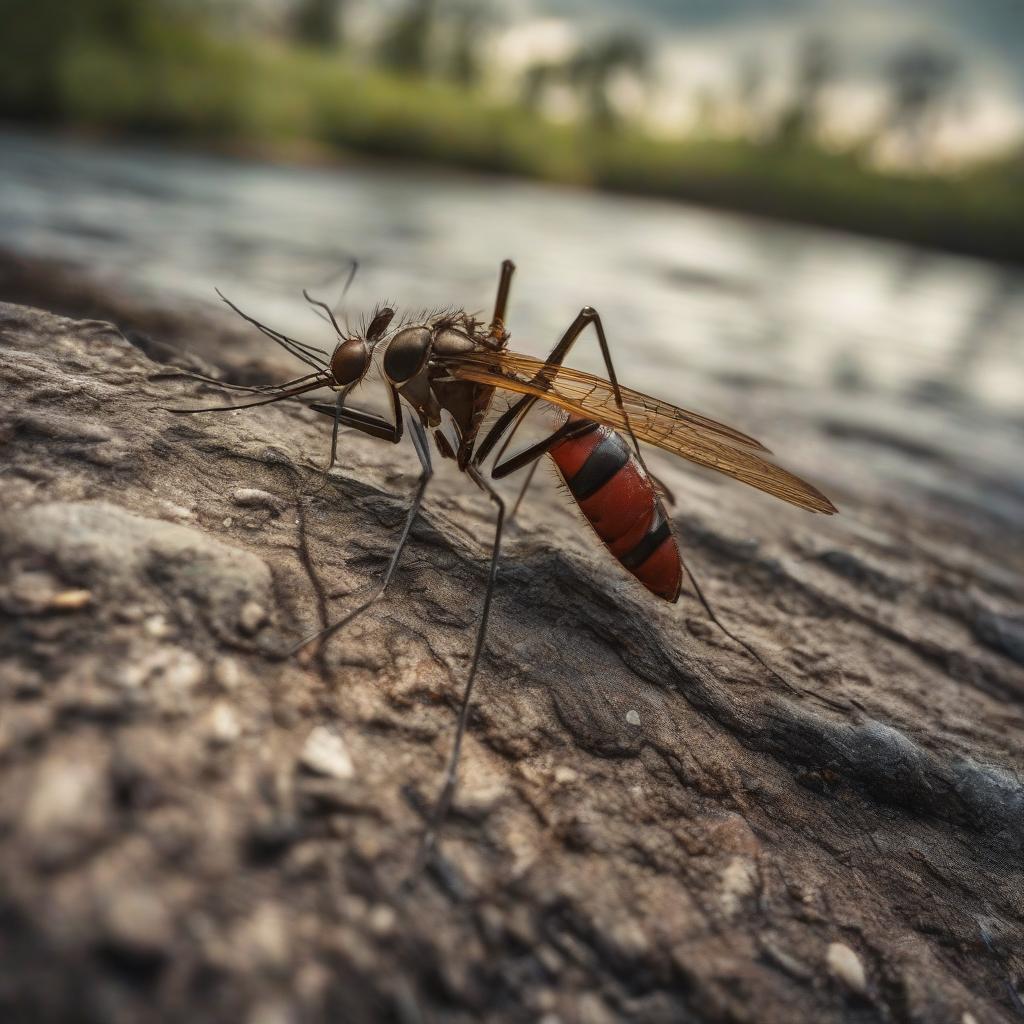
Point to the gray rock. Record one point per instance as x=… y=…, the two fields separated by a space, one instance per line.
x=160 y=856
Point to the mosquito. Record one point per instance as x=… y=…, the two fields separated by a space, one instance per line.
x=447 y=368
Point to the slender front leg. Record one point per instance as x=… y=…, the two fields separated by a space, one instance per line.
x=339 y=405
x=444 y=800
x=367 y=422
x=420 y=443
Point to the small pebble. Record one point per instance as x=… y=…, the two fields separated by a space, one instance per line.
x=178 y=512
x=157 y=627
x=226 y=673
x=252 y=618
x=382 y=919
x=71 y=600
x=633 y=717
x=325 y=753
x=261 y=940
x=228 y=522
x=253 y=497
x=737 y=881
x=137 y=922
x=565 y=775
x=67 y=809
x=845 y=965
x=224 y=727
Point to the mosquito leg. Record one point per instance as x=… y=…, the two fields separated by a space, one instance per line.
x=752 y=651
x=587 y=316
x=419 y=441
x=523 y=490
x=497 y=330
x=531 y=455
x=278 y=396
x=338 y=403
x=444 y=800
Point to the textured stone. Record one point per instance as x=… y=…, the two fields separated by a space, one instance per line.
x=650 y=826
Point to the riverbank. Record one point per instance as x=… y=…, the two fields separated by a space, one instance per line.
x=290 y=104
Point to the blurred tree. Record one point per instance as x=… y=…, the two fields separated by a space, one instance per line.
x=405 y=44
x=537 y=82
x=469 y=22
x=921 y=80
x=593 y=68
x=816 y=66
x=38 y=36
x=317 y=23
x=707 y=106
x=751 y=76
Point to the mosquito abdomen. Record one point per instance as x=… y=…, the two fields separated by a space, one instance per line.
x=620 y=502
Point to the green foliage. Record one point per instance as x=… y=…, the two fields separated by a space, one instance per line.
x=465 y=63
x=317 y=23
x=405 y=46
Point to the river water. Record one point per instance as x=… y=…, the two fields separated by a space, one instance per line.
x=871 y=360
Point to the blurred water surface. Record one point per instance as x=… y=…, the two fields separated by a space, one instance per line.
x=879 y=349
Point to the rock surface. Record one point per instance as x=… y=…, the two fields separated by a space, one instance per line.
x=649 y=826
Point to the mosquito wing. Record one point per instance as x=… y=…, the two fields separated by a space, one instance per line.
x=687 y=434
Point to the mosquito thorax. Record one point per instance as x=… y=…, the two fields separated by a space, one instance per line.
x=406 y=354
x=350 y=361
x=450 y=342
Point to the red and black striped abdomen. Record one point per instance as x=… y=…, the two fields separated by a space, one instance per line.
x=619 y=500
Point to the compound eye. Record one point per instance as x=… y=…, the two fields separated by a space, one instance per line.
x=406 y=354
x=350 y=360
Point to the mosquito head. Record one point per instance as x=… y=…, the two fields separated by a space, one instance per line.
x=350 y=361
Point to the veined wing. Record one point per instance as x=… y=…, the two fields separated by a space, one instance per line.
x=687 y=434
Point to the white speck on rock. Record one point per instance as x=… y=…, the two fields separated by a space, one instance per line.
x=157 y=627
x=71 y=600
x=178 y=512
x=845 y=965
x=226 y=673
x=325 y=753
x=223 y=724
x=737 y=881
x=564 y=775
x=633 y=717
x=252 y=618
x=253 y=497
x=382 y=919
x=66 y=811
